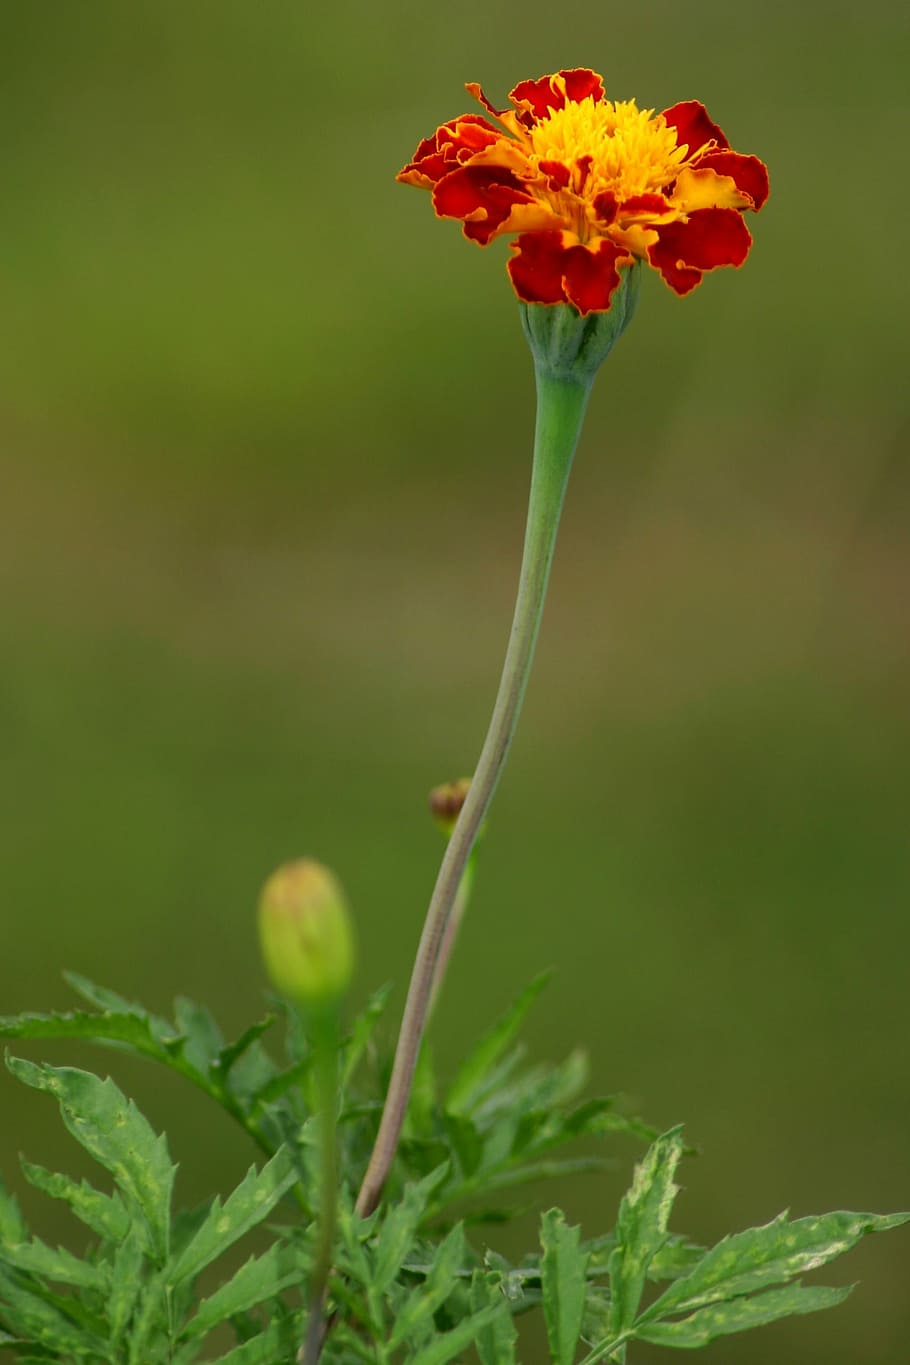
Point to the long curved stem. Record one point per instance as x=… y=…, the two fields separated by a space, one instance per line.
x=561 y=404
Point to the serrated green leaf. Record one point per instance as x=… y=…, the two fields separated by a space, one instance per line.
x=353 y=1233
x=251 y=1072
x=563 y=1270
x=251 y=1202
x=526 y=1105
x=109 y=1001
x=261 y=1277
x=446 y=1345
x=277 y=1343
x=186 y=1223
x=132 y=1030
x=466 y=1141
x=280 y=1082
x=33 y=1360
x=761 y=1257
x=56 y=1264
x=510 y=1176
x=126 y=1283
x=599 y=1117
x=231 y=1054
x=739 y=1315
x=495 y=1342
x=12 y=1225
x=561 y=1083
x=420 y=1305
x=41 y=1323
x=596 y=1322
x=485 y=1053
x=361 y=1032
x=675 y=1258
x=399 y=1227
x=150 y=1322
x=103 y=1213
x=641 y=1228
x=113 y=1131
x=202 y=1039
x=420 y=1157
x=487 y=1098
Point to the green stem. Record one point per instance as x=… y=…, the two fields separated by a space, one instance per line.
x=450 y=934
x=324 y=1035
x=615 y=1349
x=561 y=404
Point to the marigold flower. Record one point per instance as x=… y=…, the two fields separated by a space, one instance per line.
x=591 y=185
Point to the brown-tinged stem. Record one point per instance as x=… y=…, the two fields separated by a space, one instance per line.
x=561 y=403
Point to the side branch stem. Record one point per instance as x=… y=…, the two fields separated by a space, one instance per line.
x=561 y=407
x=324 y=1041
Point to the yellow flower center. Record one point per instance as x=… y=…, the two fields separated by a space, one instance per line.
x=633 y=150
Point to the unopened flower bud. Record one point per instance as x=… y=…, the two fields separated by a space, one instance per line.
x=305 y=933
x=446 y=803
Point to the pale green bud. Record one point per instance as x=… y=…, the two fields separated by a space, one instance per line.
x=305 y=933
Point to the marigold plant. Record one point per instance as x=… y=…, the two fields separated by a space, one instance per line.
x=375 y=1255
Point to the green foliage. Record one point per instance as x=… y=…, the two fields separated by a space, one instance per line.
x=408 y=1284
x=563 y=1275
x=728 y=1286
x=131 y=1303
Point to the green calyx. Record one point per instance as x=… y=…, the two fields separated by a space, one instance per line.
x=570 y=347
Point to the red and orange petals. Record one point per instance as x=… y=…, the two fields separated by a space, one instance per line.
x=557 y=173
x=588 y=185
x=554 y=267
x=538 y=98
x=476 y=91
x=710 y=238
x=450 y=146
x=483 y=197
x=701 y=187
x=693 y=127
x=748 y=173
x=645 y=208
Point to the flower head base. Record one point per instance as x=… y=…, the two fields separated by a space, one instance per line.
x=590 y=185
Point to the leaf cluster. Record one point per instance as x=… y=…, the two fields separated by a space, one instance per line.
x=413 y=1282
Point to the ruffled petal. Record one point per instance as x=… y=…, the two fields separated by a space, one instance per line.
x=705 y=189
x=693 y=127
x=539 y=97
x=710 y=238
x=476 y=90
x=645 y=208
x=483 y=197
x=536 y=268
x=592 y=275
x=636 y=239
x=452 y=144
x=554 y=267
x=557 y=172
x=748 y=173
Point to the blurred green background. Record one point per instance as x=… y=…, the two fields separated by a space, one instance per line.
x=265 y=430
